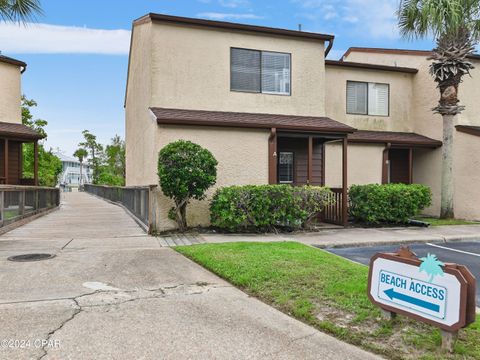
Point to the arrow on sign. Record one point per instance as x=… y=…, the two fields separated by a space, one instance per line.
x=392 y=294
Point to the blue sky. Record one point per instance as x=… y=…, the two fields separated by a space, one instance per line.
x=77 y=53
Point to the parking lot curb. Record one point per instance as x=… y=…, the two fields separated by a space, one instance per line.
x=432 y=239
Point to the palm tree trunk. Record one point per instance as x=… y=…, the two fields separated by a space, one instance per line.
x=446 y=211
x=81 y=174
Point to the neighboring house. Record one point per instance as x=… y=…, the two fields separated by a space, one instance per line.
x=70 y=176
x=271 y=109
x=12 y=133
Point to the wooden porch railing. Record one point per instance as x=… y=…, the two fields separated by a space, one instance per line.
x=333 y=214
x=19 y=202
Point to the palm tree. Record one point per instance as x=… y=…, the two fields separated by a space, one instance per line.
x=455 y=25
x=81 y=154
x=432 y=266
x=19 y=10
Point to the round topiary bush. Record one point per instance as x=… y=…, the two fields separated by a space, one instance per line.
x=185 y=170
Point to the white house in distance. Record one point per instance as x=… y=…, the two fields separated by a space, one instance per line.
x=70 y=176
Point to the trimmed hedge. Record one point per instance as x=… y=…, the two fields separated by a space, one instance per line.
x=266 y=207
x=390 y=203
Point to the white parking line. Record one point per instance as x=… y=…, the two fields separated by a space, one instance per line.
x=456 y=250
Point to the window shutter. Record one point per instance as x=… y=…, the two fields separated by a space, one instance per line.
x=245 y=70
x=356 y=97
x=275 y=73
x=378 y=99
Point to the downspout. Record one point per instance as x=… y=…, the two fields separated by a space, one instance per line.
x=330 y=45
x=385 y=161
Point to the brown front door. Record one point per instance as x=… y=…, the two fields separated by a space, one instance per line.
x=399 y=166
x=292 y=161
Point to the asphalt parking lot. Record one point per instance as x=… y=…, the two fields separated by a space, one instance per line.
x=465 y=253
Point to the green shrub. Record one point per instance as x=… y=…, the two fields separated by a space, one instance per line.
x=186 y=171
x=390 y=203
x=266 y=207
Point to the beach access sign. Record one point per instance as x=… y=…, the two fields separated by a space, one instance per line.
x=425 y=289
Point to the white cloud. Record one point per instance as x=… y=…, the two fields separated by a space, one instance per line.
x=330 y=15
x=372 y=18
x=48 y=39
x=234 y=3
x=226 y=16
x=350 y=19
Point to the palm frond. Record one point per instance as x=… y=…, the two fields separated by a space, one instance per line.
x=21 y=11
x=420 y=18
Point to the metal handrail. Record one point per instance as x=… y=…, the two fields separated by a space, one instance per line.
x=19 y=202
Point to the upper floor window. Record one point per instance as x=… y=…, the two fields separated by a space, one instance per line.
x=368 y=98
x=260 y=71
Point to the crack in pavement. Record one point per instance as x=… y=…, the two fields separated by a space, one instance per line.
x=116 y=300
x=77 y=311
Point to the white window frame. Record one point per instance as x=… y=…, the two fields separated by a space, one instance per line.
x=293 y=167
x=368 y=113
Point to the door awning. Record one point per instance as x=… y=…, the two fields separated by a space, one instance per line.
x=394 y=138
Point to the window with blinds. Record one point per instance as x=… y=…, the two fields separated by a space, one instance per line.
x=245 y=70
x=260 y=71
x=357 y=97
x=367 y=98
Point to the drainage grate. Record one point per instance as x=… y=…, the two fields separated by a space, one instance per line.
x=31 y=257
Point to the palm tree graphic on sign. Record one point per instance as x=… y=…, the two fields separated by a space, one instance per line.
x=432 y=266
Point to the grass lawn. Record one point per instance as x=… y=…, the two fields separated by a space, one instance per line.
x=327 y=292
x=441 y=222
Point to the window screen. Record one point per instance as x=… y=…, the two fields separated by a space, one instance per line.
x=378 y=99
x=245 y=70
x=356 y=97
x=275 y=73
x=285 y=167
x=367 y=98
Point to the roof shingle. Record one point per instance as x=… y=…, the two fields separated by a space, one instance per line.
x=249 y=120
x=395 y=138
x=469 y=129
x=18 y=131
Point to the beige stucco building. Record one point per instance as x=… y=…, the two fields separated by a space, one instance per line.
x=12 y=133
x=272 y=109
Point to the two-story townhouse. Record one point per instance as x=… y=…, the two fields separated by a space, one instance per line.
x=427 y=164
x=254 y=96
x=271 y=109
x=12 y=132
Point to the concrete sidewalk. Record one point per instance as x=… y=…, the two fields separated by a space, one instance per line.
x=113 y=293
x=358 y=236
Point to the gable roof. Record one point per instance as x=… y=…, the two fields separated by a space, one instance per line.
x=233 y=26
x=249 y=120
x=394 y=138
x=12 y=61
x=357 y=65
x=20 y=131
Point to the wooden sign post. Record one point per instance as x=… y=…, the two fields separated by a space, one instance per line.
x=424 y=289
